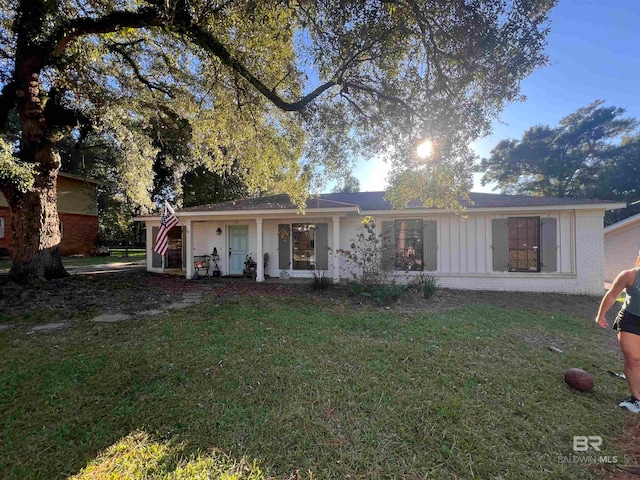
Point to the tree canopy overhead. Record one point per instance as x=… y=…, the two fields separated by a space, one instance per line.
x=283 y=89
x=592 y=153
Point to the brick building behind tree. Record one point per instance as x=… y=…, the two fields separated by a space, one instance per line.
x=78 y=213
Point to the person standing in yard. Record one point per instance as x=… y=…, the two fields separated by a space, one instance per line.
x=627 y=324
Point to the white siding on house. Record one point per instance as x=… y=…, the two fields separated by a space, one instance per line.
x=453 y=224
x=270 y=242
x=590 y=253
x=444 y=259
x=566 y=237
x=149 y=235
x=464 y=249
x=205 y=239
x=465 y=253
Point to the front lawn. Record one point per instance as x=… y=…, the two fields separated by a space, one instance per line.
x=300 y=387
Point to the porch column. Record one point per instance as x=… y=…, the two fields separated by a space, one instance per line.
x=336 y=246
x=259 y=253
x=188 y=226
x=150 y=245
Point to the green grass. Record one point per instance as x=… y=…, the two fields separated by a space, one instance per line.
x=117 y=256
x=279 y=387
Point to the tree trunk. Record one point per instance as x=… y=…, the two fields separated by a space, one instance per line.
x=36 y=233
x=34 y=214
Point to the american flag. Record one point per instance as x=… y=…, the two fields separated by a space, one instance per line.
x=167 y=222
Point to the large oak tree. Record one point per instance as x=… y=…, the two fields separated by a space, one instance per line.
x=592 y=153
x=287 y=89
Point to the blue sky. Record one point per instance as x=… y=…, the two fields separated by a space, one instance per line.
x=593 y=52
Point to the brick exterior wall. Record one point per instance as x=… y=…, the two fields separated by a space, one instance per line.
x=6 y=242
x=79 y=233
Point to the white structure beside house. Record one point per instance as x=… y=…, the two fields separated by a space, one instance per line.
x=621 y=246
x=503 y=242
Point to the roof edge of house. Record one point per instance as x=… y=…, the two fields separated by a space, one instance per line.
x=81 y=178
x=622 y=223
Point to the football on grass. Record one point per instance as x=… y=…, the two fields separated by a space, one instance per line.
x=579 y=379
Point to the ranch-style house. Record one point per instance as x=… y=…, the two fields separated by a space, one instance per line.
x=501 y=242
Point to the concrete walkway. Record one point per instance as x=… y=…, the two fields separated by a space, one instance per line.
x=139 y=266
x=189 y=299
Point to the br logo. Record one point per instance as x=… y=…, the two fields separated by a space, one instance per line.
x=582 y=443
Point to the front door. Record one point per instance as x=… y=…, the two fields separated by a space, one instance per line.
x=238 y=248
x=174 y=254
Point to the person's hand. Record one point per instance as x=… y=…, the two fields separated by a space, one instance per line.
x=602 y=322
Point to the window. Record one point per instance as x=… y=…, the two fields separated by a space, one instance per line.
x=1 y=227
x=524 y=244
x=303 y=246
x=409 y=245
x=61 y=228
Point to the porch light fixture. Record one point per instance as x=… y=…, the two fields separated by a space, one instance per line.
x=219 y=231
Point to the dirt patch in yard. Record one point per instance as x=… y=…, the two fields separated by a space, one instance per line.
x=82 y=296
x=582 y=306
x=130 y=292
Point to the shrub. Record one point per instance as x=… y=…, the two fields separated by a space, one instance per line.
x=387 y=293
x=356 y=288
x=365 y=260
x=425 y=284
x=320 y=280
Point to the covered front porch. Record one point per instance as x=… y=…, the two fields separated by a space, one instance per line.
x=290 y=247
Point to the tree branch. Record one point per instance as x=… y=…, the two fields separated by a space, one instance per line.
x=60 y=117
x=208 y=42
x=382 y=95
x=353 y=104
x=180 y=23
x=136 y=70
x=426 y=30
x=112 y=22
